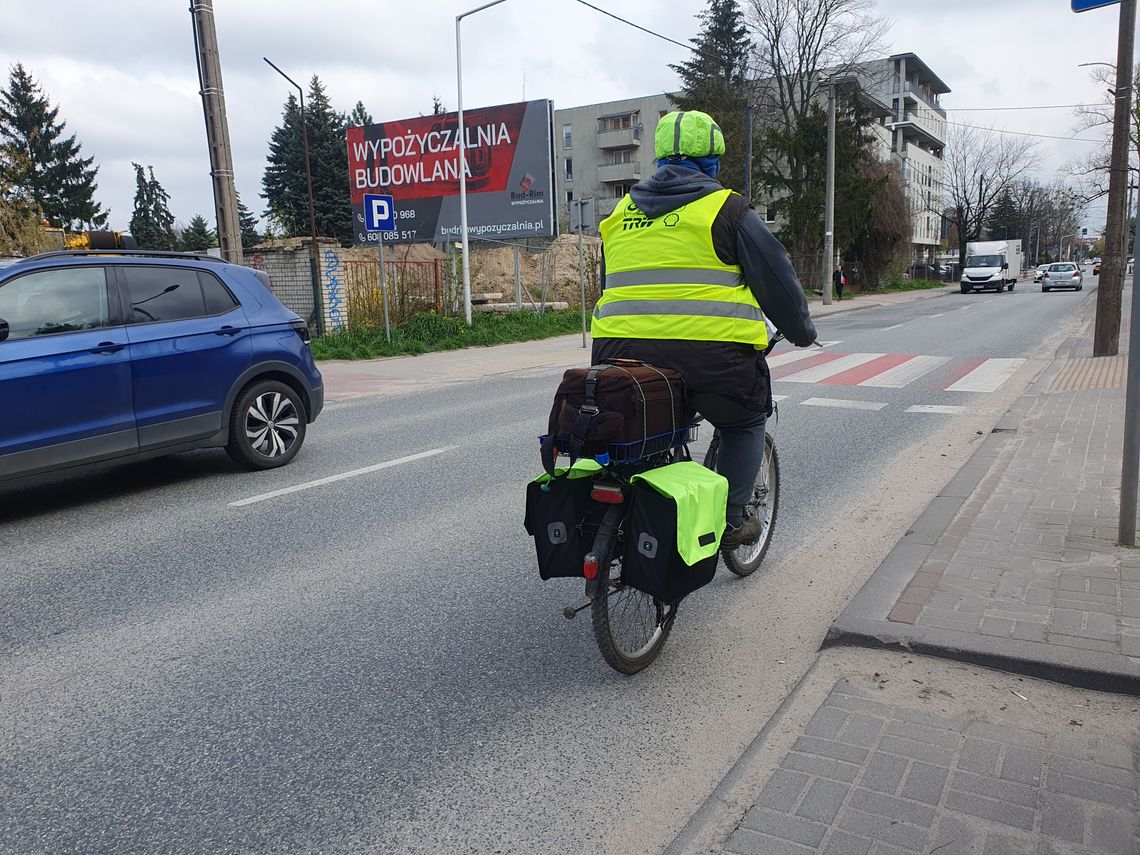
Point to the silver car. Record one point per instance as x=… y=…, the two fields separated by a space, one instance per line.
x=1063 y=274
x=1039 y=273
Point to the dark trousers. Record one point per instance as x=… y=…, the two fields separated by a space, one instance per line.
x=741 y=447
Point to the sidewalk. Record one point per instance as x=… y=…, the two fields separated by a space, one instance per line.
x=901 y=739
x=346 y=380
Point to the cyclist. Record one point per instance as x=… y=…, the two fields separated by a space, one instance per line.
x=689 y=273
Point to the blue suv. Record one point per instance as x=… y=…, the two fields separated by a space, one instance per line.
x=115 y=355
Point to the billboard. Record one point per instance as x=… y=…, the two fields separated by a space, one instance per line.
x=510 y=174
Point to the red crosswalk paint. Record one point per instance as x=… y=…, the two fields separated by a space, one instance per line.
x=856 y=375
x=960 y=371
x=803 y=364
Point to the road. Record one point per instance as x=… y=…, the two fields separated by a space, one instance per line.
x=194 y=658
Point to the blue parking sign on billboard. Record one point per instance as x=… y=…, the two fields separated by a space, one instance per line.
x=1085 y=5
x=379 y=213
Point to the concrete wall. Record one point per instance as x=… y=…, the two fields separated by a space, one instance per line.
x=290 y=280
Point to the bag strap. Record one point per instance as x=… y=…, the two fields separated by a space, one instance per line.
x=586 y=413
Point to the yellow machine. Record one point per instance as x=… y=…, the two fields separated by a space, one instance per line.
x=98 y=240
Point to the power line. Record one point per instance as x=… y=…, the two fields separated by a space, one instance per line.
x=696 y=50
x=1004 y=109
x=1022 y=133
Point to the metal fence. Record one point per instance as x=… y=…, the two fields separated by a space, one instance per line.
x=414 y=287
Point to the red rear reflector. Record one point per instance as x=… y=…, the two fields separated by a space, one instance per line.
x=590 y=566
x=610 y=495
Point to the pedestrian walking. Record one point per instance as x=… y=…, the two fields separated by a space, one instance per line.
x=839 y=279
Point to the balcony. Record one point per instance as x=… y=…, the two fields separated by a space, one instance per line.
x=612 y=173
x=921 y=95
x=929 y=127
x=621 y=138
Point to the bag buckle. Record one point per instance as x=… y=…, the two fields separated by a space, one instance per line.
x=589 y=409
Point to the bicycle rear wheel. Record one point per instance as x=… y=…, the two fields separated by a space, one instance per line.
x=630 y=627
x=765 y=504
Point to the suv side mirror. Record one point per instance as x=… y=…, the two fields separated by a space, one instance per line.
x=1005 y=265
x=3 y=329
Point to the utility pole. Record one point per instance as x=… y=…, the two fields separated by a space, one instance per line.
x=748 y=154
x=1106 y=335
x=829 y=200
x=217 y=130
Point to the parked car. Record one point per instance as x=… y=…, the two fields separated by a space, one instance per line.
x=1063 y=274
x=113 y=356
x=1039 y=273
x=1096 y=268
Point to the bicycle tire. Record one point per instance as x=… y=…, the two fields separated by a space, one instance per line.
x=607 y=546
x=746 y=558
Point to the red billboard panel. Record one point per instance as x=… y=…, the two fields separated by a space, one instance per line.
x=510 y=183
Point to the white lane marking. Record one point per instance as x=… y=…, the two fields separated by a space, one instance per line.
x=908 y=372
x=935 y=408
x=940 y=314
x=791 y=356
x=778 y=398
x=966 y=307
x=842 y=404
x=987 y=377
x=320 y=482
x=827 y=369
x=887 y=329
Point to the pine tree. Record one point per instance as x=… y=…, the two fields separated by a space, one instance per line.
x=1004 y=221
x=198 y=236
x=714 y=81
x=152 y=224
x=248 y=223
x=359 y=115
x=283 y=183
x=39 y=162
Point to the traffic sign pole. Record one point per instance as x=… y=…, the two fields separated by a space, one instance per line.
x=384 y=291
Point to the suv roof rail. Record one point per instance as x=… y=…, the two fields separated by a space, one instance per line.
x=144 y=253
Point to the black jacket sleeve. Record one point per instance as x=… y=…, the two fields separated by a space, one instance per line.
x=740 y=237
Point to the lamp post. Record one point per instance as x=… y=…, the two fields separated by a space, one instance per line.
x=314 y=258
x=463 y=157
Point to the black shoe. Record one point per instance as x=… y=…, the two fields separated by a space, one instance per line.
x=735 y=536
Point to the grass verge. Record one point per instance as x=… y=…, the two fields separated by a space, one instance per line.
x=912 y=285
x=426 y=333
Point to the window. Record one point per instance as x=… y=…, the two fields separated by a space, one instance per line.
x=163 y=294
x=621 y=189
x=567 y=136
x=624 y=155
x=617 y=123
x=218 y=298
x=569 y=169
x=569 y=196
x=55 y=301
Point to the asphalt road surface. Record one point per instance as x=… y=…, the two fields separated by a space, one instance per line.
x=196 y=658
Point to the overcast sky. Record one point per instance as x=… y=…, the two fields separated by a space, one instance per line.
x=123 y=71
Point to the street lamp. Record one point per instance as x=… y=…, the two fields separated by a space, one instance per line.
x=463 y=157
x=314 y=258
x=1062 y=249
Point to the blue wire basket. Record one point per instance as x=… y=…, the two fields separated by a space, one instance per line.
x=630 y=452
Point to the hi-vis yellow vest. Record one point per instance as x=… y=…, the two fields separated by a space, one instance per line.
x=665 y=281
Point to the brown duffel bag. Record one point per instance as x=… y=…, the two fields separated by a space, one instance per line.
x=624 y=401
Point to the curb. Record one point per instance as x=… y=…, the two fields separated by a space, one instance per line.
x=863 y=623
x=719 y=803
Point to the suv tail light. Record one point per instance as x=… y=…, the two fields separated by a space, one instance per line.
x=302 y=329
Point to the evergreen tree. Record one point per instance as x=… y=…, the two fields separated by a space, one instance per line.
x=359 y=115
x=714 y=81
x=283 y=183
x=1004 y=220
x=39 y=162
x=152 y=224
x=198 y=236
x=248 y=223
x=437 y=108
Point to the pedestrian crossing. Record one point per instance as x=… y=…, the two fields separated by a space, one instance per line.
x=892 y=370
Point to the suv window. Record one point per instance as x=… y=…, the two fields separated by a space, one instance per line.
x=163 y=293
x=55 y=301
x=218 y=297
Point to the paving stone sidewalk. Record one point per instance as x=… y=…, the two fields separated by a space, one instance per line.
x=868 y=778
x=1015 y=564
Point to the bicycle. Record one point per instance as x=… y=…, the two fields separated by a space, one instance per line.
x=631 y=627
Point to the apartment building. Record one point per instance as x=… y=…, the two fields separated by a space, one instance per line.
x=914 y=137
x=601 y=150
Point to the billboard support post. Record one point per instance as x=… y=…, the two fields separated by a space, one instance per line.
x=384 y=291
x=518 y=278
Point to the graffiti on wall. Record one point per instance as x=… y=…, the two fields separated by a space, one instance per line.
x=334 y=276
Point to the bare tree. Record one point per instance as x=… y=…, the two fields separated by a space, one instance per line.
x=798 y=39
x=1089 y=172
x=981 y=165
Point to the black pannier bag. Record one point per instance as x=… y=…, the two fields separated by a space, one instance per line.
x=620 y=402
x=651 y=561
x=556 y=509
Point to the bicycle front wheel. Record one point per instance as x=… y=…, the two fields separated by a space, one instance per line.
x=765 y=504
x=630 y=627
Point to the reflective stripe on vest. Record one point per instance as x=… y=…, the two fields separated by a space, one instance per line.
x=664 y=279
